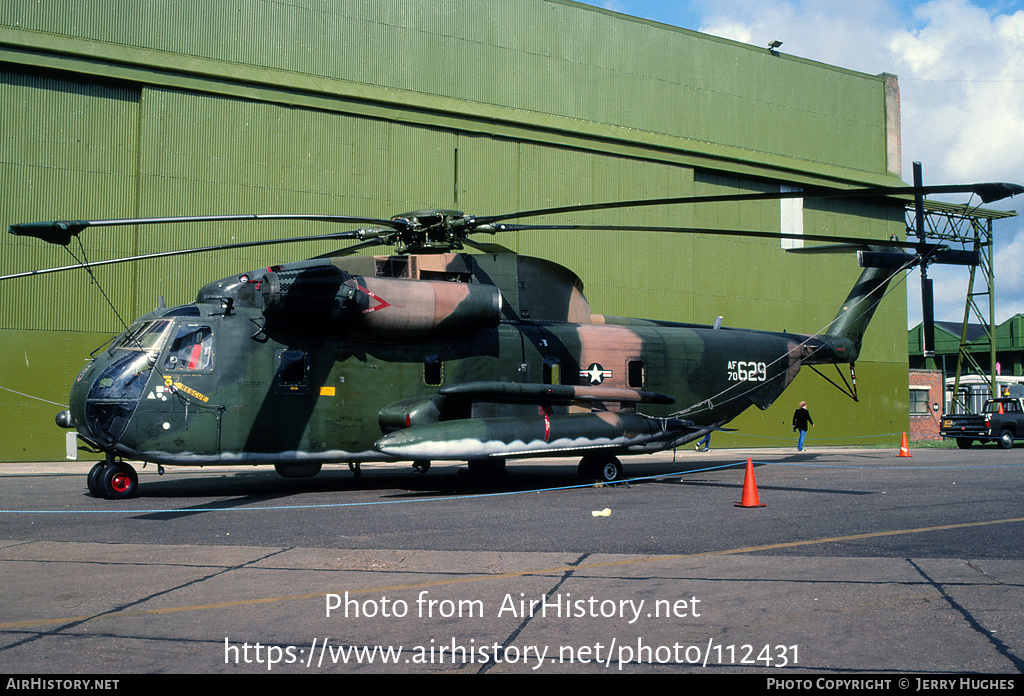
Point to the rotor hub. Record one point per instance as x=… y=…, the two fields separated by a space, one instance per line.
x=431 y=230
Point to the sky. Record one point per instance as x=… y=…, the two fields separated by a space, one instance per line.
x=960 y=65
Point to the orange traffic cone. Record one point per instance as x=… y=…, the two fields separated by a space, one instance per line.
x=750 y=498
x=904 y=449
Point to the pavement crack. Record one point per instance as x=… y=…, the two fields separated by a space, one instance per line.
x=999 y=645
x=141 y=600
x=570 y=570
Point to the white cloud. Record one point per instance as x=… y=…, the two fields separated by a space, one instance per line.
x=962 y=76
x=1009 y=271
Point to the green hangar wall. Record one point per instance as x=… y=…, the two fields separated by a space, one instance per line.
x=127 y=109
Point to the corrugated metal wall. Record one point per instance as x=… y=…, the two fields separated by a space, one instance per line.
x=539 y=56
x=380 y=107
x=71 y=148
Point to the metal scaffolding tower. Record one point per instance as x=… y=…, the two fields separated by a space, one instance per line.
x=968 y=229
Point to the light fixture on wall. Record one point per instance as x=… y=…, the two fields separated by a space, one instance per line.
x=772 y=45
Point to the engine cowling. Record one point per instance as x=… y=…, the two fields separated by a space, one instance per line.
x=330 y=300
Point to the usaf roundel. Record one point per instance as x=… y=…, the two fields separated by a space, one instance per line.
x=595 y=374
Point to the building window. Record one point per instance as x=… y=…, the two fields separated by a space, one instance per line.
x=919 y=402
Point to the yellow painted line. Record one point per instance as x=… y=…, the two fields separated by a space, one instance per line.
x=501 y=576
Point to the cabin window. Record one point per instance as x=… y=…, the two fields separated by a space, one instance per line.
x=191 y=349
x=292 y=372
x=433 y=371
x=635 y=373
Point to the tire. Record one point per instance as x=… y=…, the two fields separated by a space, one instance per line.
x=487 y=468
x=601 y=468
x=297 y=469
x=964 y=442
x=93 y=480
x=1006 y=439
x=611 y=471
x=119 y=481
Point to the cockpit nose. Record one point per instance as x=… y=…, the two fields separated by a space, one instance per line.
x=112 y=392
x=107 y=392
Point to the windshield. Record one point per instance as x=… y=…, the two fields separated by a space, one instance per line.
x=115 y=393
x=143 y=335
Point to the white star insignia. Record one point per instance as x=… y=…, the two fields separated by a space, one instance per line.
x=595 y=373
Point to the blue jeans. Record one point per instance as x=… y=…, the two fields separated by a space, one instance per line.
x=800 y=441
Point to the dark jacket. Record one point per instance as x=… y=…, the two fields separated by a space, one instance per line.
x=801 y=419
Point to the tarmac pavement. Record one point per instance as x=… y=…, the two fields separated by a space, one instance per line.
x=859 y=566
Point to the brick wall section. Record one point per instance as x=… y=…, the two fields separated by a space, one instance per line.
x=925 y=426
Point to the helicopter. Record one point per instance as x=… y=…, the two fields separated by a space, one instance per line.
x=434 y=354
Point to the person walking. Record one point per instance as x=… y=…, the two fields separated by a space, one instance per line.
x=801 y=422
x=706 y=441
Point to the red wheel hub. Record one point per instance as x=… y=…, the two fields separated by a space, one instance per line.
x=120 y=482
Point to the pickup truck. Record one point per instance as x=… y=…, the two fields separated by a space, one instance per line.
x=1001 y=420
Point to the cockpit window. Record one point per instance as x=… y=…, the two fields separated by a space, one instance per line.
x=145 y=335
x=183 y=311
x=191 y=349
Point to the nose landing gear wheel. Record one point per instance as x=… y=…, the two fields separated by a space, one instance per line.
x=117 y=481
x=92 y=481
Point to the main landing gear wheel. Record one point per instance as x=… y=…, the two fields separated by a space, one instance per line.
x=114 y=481
x=485 y=469
x=603 y=468
x=422 y=466
x=297 y=469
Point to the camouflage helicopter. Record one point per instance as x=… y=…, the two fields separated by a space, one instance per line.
x=432 y=354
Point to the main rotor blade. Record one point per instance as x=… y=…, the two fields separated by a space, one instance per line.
x=61 y=231
x=859 y=241
x=988 y=192
x=355 y=234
